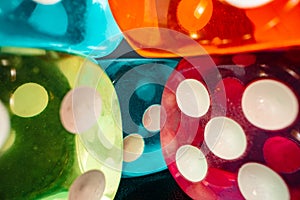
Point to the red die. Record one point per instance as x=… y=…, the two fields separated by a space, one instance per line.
x=233 y=131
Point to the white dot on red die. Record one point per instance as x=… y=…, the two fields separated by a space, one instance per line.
x=269 y=104
x=225 y=138
x=257 y=182
x=191 y=163
x=192 y=98
x=89 y=185
x=80 y=109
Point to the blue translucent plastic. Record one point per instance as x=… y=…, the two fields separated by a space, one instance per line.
x=139 y=83
x=82 y=26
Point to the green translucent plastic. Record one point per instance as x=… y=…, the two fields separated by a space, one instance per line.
x=40 y=159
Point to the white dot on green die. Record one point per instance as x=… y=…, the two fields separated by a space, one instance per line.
x=80 y=109
x=89 y=185
x=4 y=124
x=29 y=100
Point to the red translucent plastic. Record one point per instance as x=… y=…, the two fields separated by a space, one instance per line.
x=226 y=78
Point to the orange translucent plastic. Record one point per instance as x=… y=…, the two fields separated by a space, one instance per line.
x=216 y=26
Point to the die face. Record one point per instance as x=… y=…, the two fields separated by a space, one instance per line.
x=37 y=156
x=221 y=27
x=82 y=27
x=247 y=142
x=46 y=146
x=139 y=84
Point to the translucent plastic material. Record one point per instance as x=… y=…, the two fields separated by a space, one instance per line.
x=139 y=84
x=246 y=145
x=45 y=96
x=81 y=26
x=221 y=27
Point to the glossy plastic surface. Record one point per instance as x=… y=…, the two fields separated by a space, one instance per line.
x=82 y=26
x=45 y=96
x=232 y=131
x=139 y=84
x=221 y=27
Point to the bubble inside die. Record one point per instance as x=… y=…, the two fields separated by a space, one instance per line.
x=246 y=145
